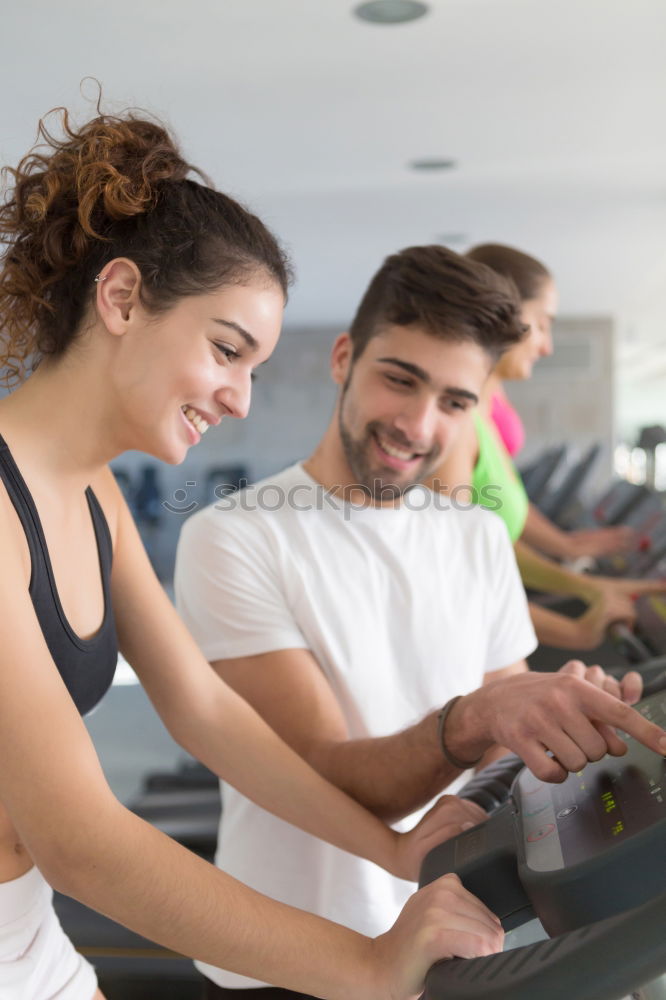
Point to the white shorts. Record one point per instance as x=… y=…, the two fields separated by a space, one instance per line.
x=37 y=959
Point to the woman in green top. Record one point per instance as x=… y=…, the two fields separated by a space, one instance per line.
x=494 y=468
x=479 y=469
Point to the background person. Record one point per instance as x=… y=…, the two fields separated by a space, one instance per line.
x=481 y=460
x=539 y=298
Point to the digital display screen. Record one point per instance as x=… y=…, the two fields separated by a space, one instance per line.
x=597 y=809
x=612 y=817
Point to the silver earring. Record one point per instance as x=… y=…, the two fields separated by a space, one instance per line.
x=101 y=277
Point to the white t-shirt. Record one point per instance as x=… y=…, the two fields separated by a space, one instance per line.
x=403 y=608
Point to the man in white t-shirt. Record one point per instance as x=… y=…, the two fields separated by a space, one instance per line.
x=349 y=605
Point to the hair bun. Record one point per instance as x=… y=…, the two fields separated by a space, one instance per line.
x=119 y=166
x=63 y=198
x=116 y=186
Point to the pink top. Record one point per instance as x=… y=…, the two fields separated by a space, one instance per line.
x=508 y=423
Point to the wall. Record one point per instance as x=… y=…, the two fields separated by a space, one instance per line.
x=570 y=397
x=641 y=369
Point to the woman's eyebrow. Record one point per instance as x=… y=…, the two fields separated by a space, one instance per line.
x=247 y=337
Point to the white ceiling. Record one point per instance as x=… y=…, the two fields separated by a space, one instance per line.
x=554 y=112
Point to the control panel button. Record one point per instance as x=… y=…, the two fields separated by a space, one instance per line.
x=540 y=833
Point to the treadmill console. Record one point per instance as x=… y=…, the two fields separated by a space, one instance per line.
x=588 y=857
x=611 y=815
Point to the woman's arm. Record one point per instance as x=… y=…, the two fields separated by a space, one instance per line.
x=89 y=846
x=587 y=631
x=540 y=573
x=608 y=601
x=222 y=730
x=542 y=534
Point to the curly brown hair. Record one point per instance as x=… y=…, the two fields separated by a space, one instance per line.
x=115 y=187
x=447 y=295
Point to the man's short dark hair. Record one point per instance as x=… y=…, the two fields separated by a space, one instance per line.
x=449 y=296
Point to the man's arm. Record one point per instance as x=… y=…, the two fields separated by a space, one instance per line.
x=394 y=775
x=572 y=714
x=495 y=752
x=391 y=775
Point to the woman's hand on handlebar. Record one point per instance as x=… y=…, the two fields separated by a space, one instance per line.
x=604 y=610
x=632 y=589
x=596 y=542
x=447 y=818
x=441 y=921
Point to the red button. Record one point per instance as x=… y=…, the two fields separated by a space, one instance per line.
x=539 y=834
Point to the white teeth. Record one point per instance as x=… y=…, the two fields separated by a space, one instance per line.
x=194 y=418
x=403 y=456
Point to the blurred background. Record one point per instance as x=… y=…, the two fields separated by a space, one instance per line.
x=535 y=124
x=525 y=122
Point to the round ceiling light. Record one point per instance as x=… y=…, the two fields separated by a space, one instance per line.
x=390 y=11
x=433 y=163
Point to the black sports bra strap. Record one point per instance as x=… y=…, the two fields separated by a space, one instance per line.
x=23 y=505
x=102 y=534
x=85 y=665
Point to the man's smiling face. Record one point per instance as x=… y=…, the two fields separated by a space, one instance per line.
x=402 y=404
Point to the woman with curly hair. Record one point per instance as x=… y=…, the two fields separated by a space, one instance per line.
x=138 y=301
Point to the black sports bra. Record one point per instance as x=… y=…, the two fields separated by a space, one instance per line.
x=86 y=666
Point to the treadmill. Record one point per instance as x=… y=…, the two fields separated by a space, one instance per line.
x=613 y=506
x=587 y=858
x=537 y=475
x=558 y=503
x=648 y=519
x=651 y=615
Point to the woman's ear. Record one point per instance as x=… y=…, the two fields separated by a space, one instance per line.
x=118 y=287
x=341 y=358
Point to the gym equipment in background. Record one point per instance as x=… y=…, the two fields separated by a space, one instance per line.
x=537 y=475
x=613 y=507
x=648 y=519
x=566 y=496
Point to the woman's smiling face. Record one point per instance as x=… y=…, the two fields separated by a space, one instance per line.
x=537 y=314
x=185 y=369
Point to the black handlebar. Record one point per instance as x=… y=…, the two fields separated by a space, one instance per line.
x=490 y=787
x=574 y=965
x=631 y=647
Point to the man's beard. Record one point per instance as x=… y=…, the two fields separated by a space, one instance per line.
x=377 y=481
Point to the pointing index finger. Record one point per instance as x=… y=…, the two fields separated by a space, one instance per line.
x=606 y=709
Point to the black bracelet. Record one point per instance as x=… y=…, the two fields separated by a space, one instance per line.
x=441 y=724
